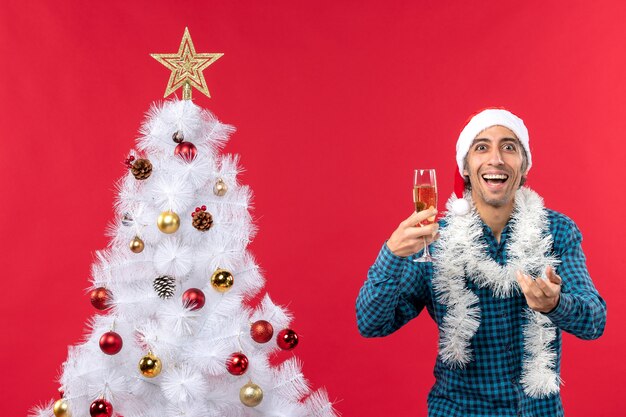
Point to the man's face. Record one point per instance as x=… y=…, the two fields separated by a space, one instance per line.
x=494 y=166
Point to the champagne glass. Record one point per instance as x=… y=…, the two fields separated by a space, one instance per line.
x=425 y=197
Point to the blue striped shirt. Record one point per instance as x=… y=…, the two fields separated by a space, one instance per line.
x=397 y=289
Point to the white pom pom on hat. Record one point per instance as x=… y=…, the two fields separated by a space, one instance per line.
x=460 y=207
x=484 y=120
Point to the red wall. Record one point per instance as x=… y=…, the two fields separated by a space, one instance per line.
x=335 y=104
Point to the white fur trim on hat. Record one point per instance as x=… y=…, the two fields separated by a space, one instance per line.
x=485 y=119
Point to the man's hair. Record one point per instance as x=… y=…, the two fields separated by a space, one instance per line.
x=466 y=180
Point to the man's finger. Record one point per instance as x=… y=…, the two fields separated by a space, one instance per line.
x=431 y=239
x=424 y=231
x=420 y=216
x=534 y=288
x=425 y=214
x=521 y=281
x=548 y=290
x=552 y=276
x=529 y=286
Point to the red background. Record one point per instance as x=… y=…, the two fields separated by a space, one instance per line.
x=335 y=104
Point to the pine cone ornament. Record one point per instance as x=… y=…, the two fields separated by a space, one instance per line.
x=202 y=219
x=165 y=286
x=141 y=169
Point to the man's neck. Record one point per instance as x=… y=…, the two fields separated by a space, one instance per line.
x=494 y=217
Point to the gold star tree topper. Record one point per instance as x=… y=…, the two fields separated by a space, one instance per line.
x=187 y=66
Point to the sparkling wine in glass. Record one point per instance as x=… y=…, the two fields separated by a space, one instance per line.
x=425 y=197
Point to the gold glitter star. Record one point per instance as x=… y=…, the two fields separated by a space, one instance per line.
x=187 y=67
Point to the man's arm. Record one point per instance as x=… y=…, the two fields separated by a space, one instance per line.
x=581 y=310
x=393 y=294
x=395 y=290
x=570 y=300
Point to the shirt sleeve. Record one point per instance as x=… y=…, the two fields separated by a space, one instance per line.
x=581 y=310
x=394 y=293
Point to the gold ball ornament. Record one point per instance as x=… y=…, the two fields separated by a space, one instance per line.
x=251 y=394
x=222 y=280
x=136 y=245
x=61 y=408
x=150 y=366
x=220 y=188
x=168 y=222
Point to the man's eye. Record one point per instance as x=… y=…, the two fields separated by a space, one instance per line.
x=509 y=147
x=481 y=147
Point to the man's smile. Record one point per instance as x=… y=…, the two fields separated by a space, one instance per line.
x=495 y=181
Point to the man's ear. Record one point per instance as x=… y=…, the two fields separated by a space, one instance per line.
x=465 y=173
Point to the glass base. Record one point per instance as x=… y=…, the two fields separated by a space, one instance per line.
x=424 y=258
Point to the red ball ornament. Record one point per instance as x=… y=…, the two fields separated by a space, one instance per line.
x=186 y=150
x=101 y=408
x=193 y=299
x=287 y=339
x=261 y=331
x=100 y=298
x=237 y=364
x=111 y=343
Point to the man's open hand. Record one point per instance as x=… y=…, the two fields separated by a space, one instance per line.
x=408 y=238
x=541 y=294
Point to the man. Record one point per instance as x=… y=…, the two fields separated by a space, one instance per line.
x=509 y=275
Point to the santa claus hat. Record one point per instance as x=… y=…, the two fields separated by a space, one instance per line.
x=476 y=124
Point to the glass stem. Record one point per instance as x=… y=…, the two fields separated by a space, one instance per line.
x=426 y=251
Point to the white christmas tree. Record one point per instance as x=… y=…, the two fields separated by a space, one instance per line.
x=176 y=337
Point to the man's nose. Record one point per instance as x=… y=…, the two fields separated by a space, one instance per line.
x=496 y=157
